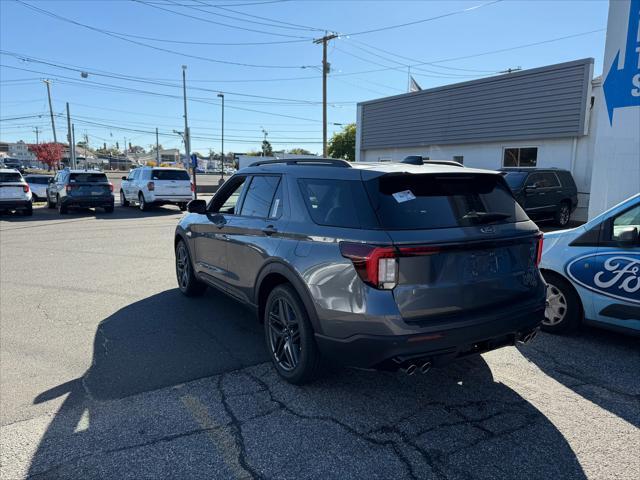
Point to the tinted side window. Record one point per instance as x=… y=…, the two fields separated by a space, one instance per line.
x=338 y=203
x=550 y=180
x=277 y=204
x=227 y=201
x=257 y=201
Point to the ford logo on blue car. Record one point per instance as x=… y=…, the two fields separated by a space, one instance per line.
x=614 y=274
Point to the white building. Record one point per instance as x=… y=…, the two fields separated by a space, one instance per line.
x=18 y=150
x=553 y=116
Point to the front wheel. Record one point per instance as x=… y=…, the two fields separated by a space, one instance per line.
x=563 y=215
x=62 y=209
x=187 y=281
x=182 y=206
x=289 y=337
x=563 y=307
x=123 y=200
x=50 y=204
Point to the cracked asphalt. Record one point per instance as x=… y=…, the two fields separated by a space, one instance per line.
x=106 y=371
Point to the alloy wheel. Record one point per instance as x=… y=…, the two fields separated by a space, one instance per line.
x=284 y=334
x=564 y=215
x=556 y=306
x=182 y=266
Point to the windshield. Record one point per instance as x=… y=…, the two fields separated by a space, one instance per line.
x=403 y=202
x=10 y=177
x=514 y=179
x=88 y=178
x=169 y=175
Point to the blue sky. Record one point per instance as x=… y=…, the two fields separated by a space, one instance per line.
x=278 y=87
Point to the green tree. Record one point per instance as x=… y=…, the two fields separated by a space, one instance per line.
x=343 y=144
x=267 y=150
x=299 y=151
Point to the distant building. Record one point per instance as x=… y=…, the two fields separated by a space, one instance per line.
x=18 y=150
x=169 y=155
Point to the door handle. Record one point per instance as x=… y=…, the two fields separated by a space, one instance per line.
x=269 y=230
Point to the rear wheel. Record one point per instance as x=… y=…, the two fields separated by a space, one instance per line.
x=123 y=200
x=144 y=206
x=187 y=281
x=289 y=337
x=28 y=211
x=182 y=206
x=108 y=209
x=563 y=214
x=563 y=309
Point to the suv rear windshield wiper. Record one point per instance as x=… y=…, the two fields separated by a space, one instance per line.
x=485 y=217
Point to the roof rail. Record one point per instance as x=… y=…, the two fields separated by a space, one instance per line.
x=329 y=162
x=452 y=163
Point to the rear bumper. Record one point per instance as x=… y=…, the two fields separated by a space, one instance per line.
x=173 y=199
x=86 y=202
x=436 y=346
x=15 y=204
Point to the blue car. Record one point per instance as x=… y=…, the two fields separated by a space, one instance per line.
x=593 y=272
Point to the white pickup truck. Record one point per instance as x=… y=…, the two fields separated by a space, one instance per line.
x=148 y=186
x=15 y=193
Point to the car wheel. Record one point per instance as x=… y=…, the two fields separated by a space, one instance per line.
x=187 y=281
x=141 y=203
x=289 y=337
x=563 y=310
x=28 y=211
x=123 y=200
x=563 y=214
x=62 y=209
x=108 y=209
x=50 y=204
x=182 y=206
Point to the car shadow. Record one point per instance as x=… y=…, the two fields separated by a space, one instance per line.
x=42 y=213
x=457 y=417
x=600 y=365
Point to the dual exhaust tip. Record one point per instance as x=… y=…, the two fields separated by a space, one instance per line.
x=413 y=368
x=528 y=337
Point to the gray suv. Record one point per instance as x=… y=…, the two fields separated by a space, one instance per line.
x=386 y=266
x=80 y=188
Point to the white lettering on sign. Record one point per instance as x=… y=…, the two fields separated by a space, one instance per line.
x=636 y=83
x=626 y=275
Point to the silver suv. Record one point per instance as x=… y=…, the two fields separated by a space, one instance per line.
x=386 y=266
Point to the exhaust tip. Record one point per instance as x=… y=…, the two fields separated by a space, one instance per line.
x=411 y=369
x=425 y=367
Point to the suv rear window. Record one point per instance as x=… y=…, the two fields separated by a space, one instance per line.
x=408 y=202
x=10 y=177
x=37 y=180
x=338 y=203
x=88 y=178
x=170 y=175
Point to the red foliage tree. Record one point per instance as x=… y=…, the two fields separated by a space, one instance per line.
x=49 y=153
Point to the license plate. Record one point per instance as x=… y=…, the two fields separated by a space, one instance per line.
x=96 y=192
x=482 y=266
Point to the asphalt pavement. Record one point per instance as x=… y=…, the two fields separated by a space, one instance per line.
x=107 y=371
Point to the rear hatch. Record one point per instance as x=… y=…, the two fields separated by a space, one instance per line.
x=463 y=244
x=171 y=183
x=89 y=184
x=11 y=186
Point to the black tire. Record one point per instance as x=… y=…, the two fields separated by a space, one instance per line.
x=568 y=312
x=188 y=284
x=563 y=214
x=182 y=206
x=123 y=200
x=62 y=209
x=50 y=204
x=28 y=211
x=303 y=362
x=142 y=204
x=108 y=209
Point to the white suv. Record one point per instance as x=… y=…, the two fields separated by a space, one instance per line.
x=15 y=193
x=156 y=186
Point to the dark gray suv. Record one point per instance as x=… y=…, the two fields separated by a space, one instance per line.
x=386 y=266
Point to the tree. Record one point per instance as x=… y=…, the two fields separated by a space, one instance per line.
x=267 y=150
x=152 y=148
x=137 y=149
x=108 y=151
x=299 y=151
x=49 y=153
x=253 y=153
x=343 y=144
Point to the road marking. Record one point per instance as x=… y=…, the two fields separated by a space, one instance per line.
x=221 y=435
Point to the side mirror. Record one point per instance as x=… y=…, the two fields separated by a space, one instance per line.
x=197 y=206
x=124 y=178
x=628 y=236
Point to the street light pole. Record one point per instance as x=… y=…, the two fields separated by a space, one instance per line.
x=53 y=123
x=220 y=95
x=187 y=136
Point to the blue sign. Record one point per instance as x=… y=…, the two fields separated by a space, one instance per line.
x=614 y=274
x=194 y=160
x=622 y=87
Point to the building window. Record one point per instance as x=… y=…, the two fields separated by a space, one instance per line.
x=520 y=157
x=458 y=158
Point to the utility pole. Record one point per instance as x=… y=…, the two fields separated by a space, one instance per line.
x=157 y=149
x=325 y=71
x=53 y=123
x=220 y=95
x=187 y=136
x=37 y=130
x=265 y=133
x=72 y=147
x=73 y=142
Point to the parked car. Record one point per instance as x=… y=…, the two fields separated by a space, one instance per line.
x=80 y=188
x=38 y=185
x=544 y=193
x=15 y=194
x=387 y=266
x=13 y=163
x=150 y=186
x=593 y=272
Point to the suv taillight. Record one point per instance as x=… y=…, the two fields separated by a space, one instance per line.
x=193 y=187
x=151 y=186
x=69 y=187
x=378 y=266
x=539 y=250
x=111 y=186
x=25 y=188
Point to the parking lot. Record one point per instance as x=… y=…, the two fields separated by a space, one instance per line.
x=107 y=371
